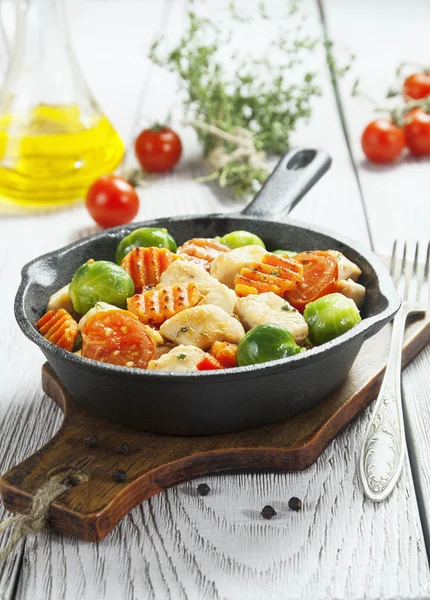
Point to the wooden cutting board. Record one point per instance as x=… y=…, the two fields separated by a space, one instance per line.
x=154 y=462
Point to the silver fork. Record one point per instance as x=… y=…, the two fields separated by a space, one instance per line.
x=384 y=448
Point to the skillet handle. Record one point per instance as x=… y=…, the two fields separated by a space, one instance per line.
x=294 y=175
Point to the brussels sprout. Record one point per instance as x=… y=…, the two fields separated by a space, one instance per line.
x=329 y=317
x=237 y=239
x=145 y=237
x=288 y=253
x=264 y=343
x=100 y=281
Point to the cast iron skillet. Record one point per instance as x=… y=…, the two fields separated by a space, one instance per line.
x=216 y=401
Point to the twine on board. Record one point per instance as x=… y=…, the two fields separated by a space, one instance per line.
x=219 y=157
x=35 y=520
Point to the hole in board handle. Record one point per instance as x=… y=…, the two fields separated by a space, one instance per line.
x=301 y=160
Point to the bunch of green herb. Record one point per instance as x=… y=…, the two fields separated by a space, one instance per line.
x=245 y=107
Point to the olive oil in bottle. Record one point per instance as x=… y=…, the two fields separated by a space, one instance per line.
x=54 y=138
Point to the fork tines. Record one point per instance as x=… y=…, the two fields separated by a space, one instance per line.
x=411 y=276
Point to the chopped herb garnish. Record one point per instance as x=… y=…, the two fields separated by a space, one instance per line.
x=181 y=356
x=287 y=307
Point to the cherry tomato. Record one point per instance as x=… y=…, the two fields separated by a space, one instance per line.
x=158 y=149
x=382 y=141
x=417 y=86
x=112 y=201
x=319 y=278
x=417 y=130
x=118 y=338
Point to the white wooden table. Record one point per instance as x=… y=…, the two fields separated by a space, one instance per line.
x=178 y=545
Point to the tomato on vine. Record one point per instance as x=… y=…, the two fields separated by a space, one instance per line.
x=417 y=85
x=383 y=141
x=417 y=131
x=158 y=149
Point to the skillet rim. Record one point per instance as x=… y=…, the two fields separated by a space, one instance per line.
x=363 y=329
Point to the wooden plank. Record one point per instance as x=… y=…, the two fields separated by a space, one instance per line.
x=334 y=203
x=179 y=545
x=154 y=462
x=395 y=196
x=26 y=423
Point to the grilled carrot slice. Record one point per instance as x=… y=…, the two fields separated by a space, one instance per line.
x=287 y=268
x=243 y=289
x=156 y=306
x=202 y=251
x=59 y=327
x=225 y=354
x=263 y=278
x=145 y=265
x=274 y=273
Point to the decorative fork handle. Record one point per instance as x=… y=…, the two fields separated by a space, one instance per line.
x=384 y=448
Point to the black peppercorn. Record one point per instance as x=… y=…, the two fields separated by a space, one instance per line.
x=119 y=476
x=91 y=441
x=295 y=503
x=203 y=489
x=123 y=448
x=268 y=512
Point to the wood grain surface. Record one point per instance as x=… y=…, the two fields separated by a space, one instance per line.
x=154 y=462
x=178 y=545
x=395 y=197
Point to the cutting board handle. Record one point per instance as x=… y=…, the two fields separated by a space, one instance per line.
x=154 y=462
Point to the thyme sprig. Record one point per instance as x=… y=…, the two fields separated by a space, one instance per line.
x=255 y=96
x=258 y=102
x=228 y=167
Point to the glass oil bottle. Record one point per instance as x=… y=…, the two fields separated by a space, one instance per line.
x=54 y=138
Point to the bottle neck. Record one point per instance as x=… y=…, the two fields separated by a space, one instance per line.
x=43 y=68
x=42 y=29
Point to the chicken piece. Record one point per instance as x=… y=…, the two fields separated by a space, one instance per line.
x=180 y=358
x=212 y=290
x=61 y=299
x=183 y=272
x=156 y=306
x=227 y=265
x=145 y=265
x=221 y=296
x=202 y=251
x=346 y=268
x=270 y=308
x=201 y=326
x=353 y=290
